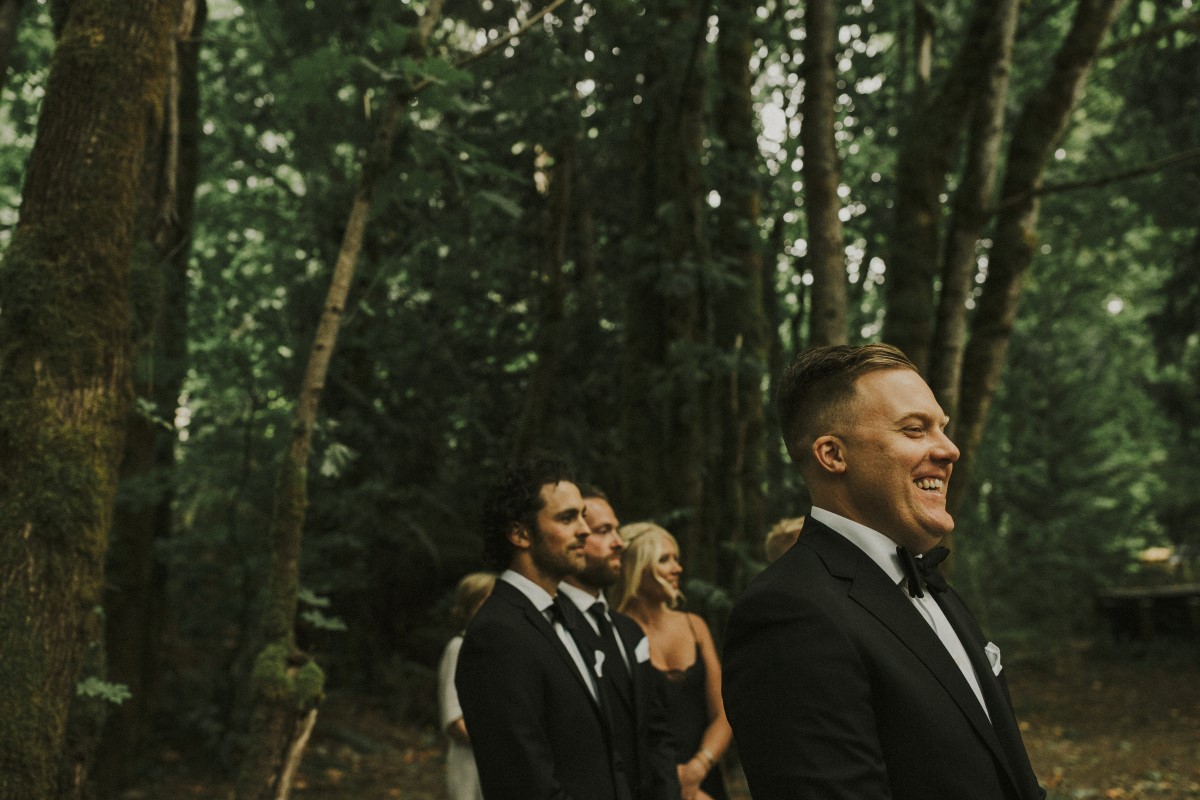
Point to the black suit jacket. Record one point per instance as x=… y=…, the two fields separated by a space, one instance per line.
x=837 y=688
x=656 y=777
x=536 y=730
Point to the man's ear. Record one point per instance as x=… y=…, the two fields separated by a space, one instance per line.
x=518 y=535
x=830 y=454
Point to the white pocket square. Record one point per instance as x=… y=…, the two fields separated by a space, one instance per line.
x=641 y=653
x=993 y=654
x=599 y=667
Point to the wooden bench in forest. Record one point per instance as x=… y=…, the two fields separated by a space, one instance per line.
x=1146 y=612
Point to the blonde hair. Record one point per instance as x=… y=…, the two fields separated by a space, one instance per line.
x=470 y=593
x=643 y=547
x=782 y=536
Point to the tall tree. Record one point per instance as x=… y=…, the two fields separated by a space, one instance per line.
x=64 y=368
x=734 y=497
x=930 y=139
x=822 y=176
x=1040 y=125
x=286 y=684
x=134 y=599
x=664 y=405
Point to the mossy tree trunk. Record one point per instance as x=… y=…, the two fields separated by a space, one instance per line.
x=134 y=594
x=286 y=686
x=64 y=365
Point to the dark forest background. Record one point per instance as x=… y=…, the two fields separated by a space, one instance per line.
x=596 y=227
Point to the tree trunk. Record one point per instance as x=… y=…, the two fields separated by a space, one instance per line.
x=64 y=373
x=822 y=175
x=134 y=595
x=1039 y=127
x=286 y=685
x=663 y=402
x=971 y=211
x=734 y=495
x=552 y=283
x=929 y=144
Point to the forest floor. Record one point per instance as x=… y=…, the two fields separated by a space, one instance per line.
x=1097 y=723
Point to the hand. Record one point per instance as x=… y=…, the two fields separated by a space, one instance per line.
x=690 y=775
x=703 y=795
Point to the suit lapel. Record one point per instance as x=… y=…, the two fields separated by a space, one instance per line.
x=871 y=588
x=1004 y=722
x=538 y=620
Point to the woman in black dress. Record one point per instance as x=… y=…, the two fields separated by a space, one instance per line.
x=683 y=653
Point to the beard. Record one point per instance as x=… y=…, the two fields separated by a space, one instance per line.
x=559 y=563
x=599 y=575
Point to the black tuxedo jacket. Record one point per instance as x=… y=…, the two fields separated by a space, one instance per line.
x=837 y=688
x=536 y=730
x=654 y=769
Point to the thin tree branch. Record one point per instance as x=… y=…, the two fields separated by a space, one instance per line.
x=1101 y=180
x=1191 y=22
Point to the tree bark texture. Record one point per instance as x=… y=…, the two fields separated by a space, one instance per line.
x=134 y=595
x=971 y=210
x=1040 y=125
x=929 y=144
x=735 y=495
x=663 y=401
x=285 y=684
x=822 y=175
x=64 y=367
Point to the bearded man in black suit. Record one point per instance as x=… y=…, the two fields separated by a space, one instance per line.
x=640 y=731
x=851 y=670
x=527 y=680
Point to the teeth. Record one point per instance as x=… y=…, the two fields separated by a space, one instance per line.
x=929 y=483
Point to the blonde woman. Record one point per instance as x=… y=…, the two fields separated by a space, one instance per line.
x=462 y=777
x=683 y=654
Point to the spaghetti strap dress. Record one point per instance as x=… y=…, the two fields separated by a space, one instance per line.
x=687 y=715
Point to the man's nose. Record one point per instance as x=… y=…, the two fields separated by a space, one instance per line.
x=947 y=450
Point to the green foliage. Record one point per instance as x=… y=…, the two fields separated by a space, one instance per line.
x=115 y=693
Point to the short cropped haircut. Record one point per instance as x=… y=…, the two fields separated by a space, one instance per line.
x=515 y=500
x=590 y=490
x=820 y=384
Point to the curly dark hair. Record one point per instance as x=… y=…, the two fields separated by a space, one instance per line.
x=516 y=499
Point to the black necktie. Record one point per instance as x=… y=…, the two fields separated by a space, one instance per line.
x=616 y=669
x=923 y=571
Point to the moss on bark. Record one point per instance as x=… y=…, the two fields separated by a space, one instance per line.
x=64 y=384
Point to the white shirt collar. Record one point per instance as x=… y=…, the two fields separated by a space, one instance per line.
x=540 y=598
x=879 y=548
x=581 y=598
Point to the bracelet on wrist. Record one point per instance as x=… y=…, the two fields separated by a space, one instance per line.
x=707 y=756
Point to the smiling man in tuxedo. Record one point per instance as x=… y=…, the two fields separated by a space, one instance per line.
x=851 y=670
x=527 y=678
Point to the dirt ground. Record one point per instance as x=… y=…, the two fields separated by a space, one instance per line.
x=1098 y=723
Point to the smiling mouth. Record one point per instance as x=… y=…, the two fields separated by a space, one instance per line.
x=931 y=484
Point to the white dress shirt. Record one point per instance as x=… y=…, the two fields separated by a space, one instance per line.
x=583 y=600
x=542 y=601
x=882 y=551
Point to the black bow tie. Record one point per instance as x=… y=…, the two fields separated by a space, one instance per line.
x=923 y=571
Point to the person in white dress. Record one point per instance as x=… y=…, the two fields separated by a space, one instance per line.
x=462 y=778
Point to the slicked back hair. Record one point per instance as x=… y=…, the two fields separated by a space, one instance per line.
x=819 y=385
x=516 y=499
